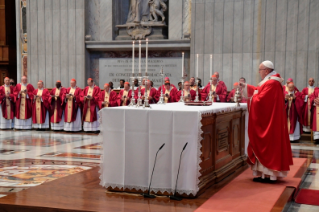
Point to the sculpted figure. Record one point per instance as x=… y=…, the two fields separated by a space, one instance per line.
x=157 y=8
x=139 y=11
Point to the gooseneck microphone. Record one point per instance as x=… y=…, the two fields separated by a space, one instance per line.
x=148 y=195
x=174 y=197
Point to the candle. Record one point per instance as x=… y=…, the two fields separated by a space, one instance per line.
x=183 y=64
x=146 y=67
x=211 y=66
x=140 y=56
x=133 y=50
x=197 y=67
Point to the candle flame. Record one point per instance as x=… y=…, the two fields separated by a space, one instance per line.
x=140 y=41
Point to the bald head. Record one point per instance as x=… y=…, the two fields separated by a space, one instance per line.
x=311 y=81
x=217 y=75
x=24 y=80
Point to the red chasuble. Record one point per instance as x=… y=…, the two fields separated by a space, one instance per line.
x=72 y=104
x=111 y=98
x=267 y=127
x=7 y=104
x=232 y=95
x=40 y=108
x=56 y=104
x=306 y=111
x=314 y=111
x=152 y=92
x=89 y=106
x=163 y=87
x=191 y=93
x=220 y=90
x=23 y=105
x=124 y=93
x=173 y=95
x=293 y=111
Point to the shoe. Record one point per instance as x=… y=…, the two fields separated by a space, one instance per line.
x=258 y=179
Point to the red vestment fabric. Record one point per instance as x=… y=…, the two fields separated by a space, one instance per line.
x=112 y=99
x=77 y=103
x=28 y=105
x=232 y=94
x=294 y=112
x=45 y=105
x=93 y=103
x=306 y=109
x=284 y=88
x=173 y=94
x=4 y=104
x=192 y=93
x=153 y=93
x=163 y=86
x=314 y=111
x=267 y=127
x=221 y=91
x=119 y=97
x=60 y=105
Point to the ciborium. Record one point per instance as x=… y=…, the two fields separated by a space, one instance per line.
x=237 y=97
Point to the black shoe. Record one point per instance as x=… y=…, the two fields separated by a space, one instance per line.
x=258 y=179
x=316 y=141
x=97 y=132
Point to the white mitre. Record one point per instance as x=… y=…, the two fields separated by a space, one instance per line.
x=268 y=64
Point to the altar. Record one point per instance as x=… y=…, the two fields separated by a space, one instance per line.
x=216 y=137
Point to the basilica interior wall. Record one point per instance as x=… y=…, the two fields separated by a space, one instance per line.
x=242 y=33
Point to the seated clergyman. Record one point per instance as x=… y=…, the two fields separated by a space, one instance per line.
x=125 y=95
x=169 y=93
x=108 y=97
x=188 y=94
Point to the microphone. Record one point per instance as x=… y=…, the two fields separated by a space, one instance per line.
x=148 y=195
x=174 y=197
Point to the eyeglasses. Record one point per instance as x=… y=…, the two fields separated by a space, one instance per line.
x=262 y=69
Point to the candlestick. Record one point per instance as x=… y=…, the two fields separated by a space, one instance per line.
x=133 y=49
x=132 y=103
x=197 y=67
x=211 y=66
x=146 y=66
x=183 y=64
x=140 y=56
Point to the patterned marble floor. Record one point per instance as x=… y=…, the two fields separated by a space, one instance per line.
x=306 y=149
x=30 y=158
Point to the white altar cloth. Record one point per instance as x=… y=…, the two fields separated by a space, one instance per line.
x=132 y=136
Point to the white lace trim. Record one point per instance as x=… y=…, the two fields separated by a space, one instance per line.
x=199 y=153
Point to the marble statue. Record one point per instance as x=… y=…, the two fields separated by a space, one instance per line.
x=139 y=11
x=157 y=7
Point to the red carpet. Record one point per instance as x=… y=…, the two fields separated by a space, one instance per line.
x=242 y=194
x=308 y=196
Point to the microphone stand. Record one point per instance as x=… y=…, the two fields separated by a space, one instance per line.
x=148 y=195
x=174 y=197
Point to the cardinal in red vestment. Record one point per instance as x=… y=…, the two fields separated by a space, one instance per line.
x=314 y=101
x=57 y=106
x=306 y=112
x=125 y=95
x=91 y=96
x=188 y=94
x=231 y=95
x=7 y=105
x=40 y=107
x=152 y=93
x=23 y=93
x=169 y=93
x=294 y=106
x=108 y=97
x=285 y=87
x=166 y=79
x=193 y=87
x=269 y=150
x=219 y=91
x=73 y=108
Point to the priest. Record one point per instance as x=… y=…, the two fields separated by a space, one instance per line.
x=23 y=93
x=73 y=108
x=152 y=93
x=124 y=97
x=41 y=106
x=221 y=83
x=188 y=94
x=169 y=93
x=306 y=112
x=314 y=101
x=285 y=87
x=90 y=99
x=219 y=91
x=7 y=105
x=166 y=79
x=57 y=107
x=108 y=97
x=269 y=150
x=294 y=105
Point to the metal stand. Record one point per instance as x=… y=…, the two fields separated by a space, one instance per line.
x=146 y=101
x=161 y=100
x=237 y=97
x=210 y=91
x=197 y=97
x=182 y=92
x=139 y=100
x=133 y=103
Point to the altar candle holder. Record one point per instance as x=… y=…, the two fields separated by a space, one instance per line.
x=210 y=91
x=237 y=97
x=133 y=103
x=146 y=101
x=161 y=100
x=182 y=92
x=139 y=100
x=197 y=97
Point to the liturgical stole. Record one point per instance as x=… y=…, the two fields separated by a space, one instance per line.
x=57 y=93
x=88 y=112
x=310 y=91
x=8 y=103
x=70 y=105
x=213 y=89
x=23 y=102
x=125 y=93
x=38 y=106
x=186 y=93
x=166 y=92
x=106 y=99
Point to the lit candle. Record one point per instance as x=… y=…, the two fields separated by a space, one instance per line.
x=183 y=64
x=197 y=67
x=140 y=56
x=133 y=50
x=211 y=66
x=146 y=66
